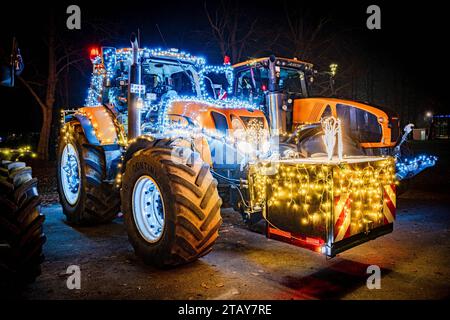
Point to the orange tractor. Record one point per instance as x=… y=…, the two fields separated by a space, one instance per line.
x=162 y=129
x=286 y=83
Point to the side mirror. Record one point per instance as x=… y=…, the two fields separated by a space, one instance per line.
x=6 y=77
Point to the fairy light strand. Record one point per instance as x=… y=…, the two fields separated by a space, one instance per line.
x=309 y=189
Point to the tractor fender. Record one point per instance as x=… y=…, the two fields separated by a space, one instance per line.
x=86 y=125
x=103 y=132
x=99 y=125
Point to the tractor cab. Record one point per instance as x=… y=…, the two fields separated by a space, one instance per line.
x=281 y=81
x=164 y=75
x=282 y=89
x=253 y=79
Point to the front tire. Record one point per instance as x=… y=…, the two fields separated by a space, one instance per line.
x=189 y=212
x=21 y=235
x=85 y=198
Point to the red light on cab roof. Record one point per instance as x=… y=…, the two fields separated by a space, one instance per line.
x=93 y=53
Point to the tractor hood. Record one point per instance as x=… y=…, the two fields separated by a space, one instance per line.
x=311 y=106
x=221 y=116
x=374 y=126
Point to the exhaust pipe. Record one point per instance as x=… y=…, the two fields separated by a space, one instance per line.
x=273 y=85
x=274 y=100
x=134 y=88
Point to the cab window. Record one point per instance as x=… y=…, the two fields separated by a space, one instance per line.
x=220 y=122
x=359 y=123
x=165 y=79
x=216 y=85
x=251 y=83
x=291 y=80
x=326 y=113
x=181 y=82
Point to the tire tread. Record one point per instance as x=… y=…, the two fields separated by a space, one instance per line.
x=198 y=217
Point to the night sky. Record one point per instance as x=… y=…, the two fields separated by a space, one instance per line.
x=412 y=39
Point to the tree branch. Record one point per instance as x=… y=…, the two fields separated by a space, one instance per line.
x=68 y=64
x=34 y=94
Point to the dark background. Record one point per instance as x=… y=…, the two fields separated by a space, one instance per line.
x=406 y=59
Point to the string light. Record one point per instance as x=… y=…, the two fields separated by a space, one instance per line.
x=124 y=54
x=163 y=119
x=16 y=154
x=94 y=97
x=112 y=132
x=309 y=188
x=227 y=70
x=409 y=167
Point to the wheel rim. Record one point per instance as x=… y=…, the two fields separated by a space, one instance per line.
x=148 y=209
x=70 y=174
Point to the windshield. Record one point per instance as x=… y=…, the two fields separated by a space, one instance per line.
x=160 y=79
x=252 y=82
x=290 y=80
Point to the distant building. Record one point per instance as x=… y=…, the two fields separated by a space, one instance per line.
x=440 y=126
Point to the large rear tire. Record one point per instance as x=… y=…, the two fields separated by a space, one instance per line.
x=21 y=235
x=85 y=198
x=182 y=204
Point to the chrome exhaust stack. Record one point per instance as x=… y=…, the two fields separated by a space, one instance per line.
x=134 y=90
x=274 y=101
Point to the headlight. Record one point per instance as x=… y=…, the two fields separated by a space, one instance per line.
x=245 y=147
x=238 y=129
x=236 y=124
x=265 y=146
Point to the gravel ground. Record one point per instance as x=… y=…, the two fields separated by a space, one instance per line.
x=414 y=260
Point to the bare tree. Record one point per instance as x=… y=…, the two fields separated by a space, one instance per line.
x=305 y=38
x=228 y=29
x=63 y=58
x=60 y=58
